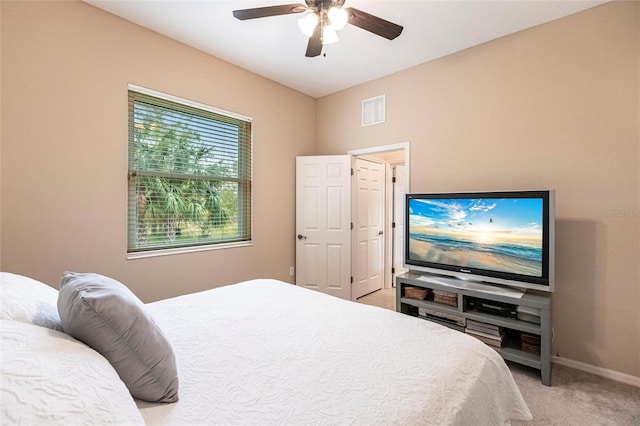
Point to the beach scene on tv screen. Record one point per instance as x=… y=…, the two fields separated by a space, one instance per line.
x=503 y=235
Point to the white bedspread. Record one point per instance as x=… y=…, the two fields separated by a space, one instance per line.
x=267 y=352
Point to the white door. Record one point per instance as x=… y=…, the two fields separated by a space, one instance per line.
x=323 y=224
x=399 y=191
x=368 y=226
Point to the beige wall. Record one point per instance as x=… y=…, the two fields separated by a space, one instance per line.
x=65 y=70
x=554 y=106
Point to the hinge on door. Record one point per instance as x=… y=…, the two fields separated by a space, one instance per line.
x=393 y=270
x=351 y=172
x=393 y=179
x=351 y=225
x=393 y=224
x=351 y=280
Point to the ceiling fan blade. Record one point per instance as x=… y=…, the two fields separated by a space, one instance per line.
x=373 y=24
x=314 y=48
x=263 y=12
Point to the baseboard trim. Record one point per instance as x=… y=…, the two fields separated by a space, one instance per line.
x=598 y=371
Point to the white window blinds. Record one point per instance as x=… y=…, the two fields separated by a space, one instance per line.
x=189 y=175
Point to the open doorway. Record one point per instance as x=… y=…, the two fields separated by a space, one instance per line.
x=394 y=160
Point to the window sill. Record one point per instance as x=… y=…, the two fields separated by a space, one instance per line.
x=182 y=250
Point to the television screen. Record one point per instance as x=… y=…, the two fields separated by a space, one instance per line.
x=500 y=237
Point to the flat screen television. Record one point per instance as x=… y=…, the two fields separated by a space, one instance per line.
x=504 y=238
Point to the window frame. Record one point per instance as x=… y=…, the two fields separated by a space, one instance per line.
x=163 y=251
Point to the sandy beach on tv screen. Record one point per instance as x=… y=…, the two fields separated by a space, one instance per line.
x=429 y=252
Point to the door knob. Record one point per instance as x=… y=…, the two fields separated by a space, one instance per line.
x=380 y=232
x=301 y=237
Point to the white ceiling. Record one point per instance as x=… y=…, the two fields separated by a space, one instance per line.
x=275 y=48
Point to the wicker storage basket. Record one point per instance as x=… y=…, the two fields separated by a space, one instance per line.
x=530 y=343
x=532 y=349
x=445 y=298
x=532 y=339
x=416 y=292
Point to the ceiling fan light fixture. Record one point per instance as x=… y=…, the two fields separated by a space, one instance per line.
x=308 y=24
x=329 y=35
x=323 y=18
x=338 y=18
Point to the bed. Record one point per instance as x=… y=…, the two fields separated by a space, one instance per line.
x=256 y=352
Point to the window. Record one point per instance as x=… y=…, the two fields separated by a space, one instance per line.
x=189 y=175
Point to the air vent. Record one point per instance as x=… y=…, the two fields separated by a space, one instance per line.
x=373 y=111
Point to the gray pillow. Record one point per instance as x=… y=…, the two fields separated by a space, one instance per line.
x=106 y=315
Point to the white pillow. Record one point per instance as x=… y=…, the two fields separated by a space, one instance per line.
x=27 y=300
x=49 y=377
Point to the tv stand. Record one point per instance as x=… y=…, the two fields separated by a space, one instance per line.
x=465 y=302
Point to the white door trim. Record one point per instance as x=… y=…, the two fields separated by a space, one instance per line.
x=394 y=230
x=405 y=146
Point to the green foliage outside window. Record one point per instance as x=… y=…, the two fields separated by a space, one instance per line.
x=189 y=176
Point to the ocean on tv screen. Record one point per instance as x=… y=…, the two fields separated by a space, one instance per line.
x=503 y=235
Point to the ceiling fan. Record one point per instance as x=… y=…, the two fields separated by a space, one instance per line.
x=326 y=17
